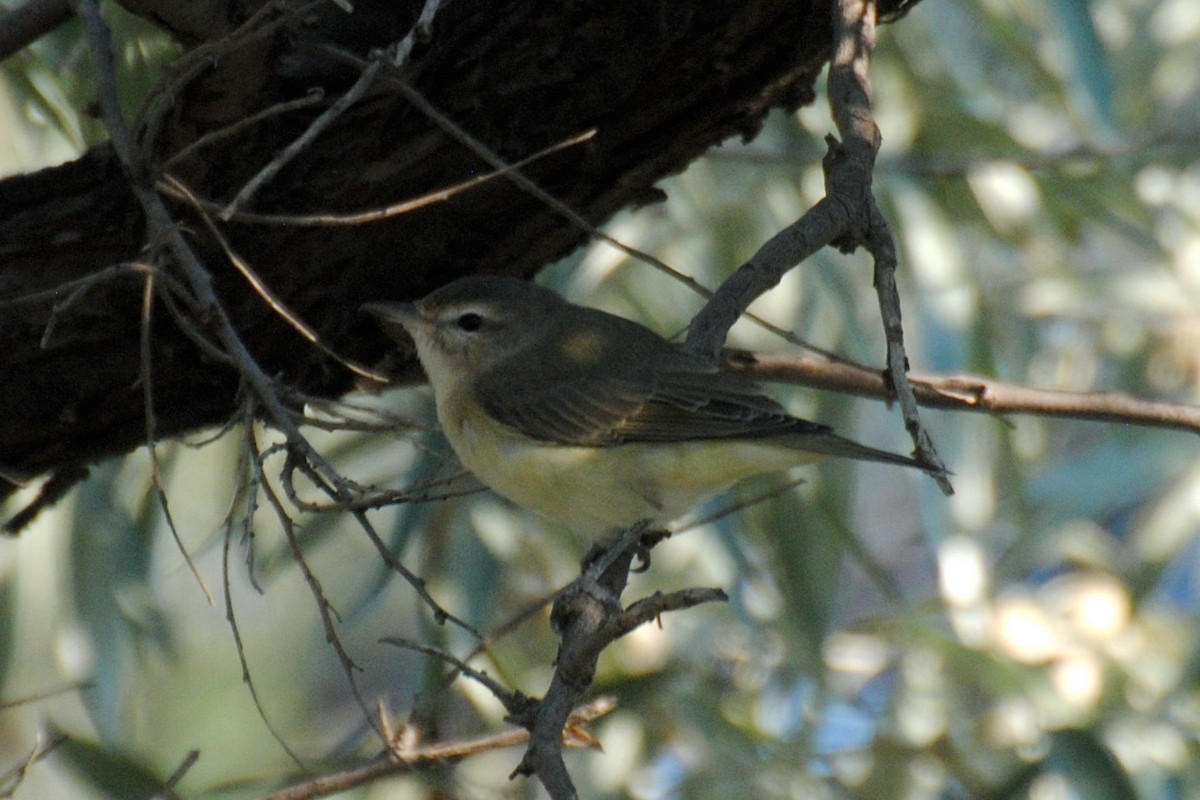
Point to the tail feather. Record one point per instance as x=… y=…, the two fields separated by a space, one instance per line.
x=831 y=444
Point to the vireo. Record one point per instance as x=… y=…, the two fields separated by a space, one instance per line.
x=590 y=418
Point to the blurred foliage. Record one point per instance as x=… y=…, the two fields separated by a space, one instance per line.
x=46 y=90
x=1031 y=637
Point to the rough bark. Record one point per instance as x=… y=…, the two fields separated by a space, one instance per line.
x=661 y=82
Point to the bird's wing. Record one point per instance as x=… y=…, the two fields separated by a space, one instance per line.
x=657 y=393
x=693 y=399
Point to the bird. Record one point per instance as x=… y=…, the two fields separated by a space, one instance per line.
x=589 y=418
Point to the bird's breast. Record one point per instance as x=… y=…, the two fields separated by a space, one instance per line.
x=596 y=489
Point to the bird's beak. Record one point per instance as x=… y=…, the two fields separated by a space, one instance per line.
x=396 y=313
x=398 y=320
x=393 y=311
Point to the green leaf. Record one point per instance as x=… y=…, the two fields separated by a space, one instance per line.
x=1089 y=80
x=111 y=773
x=1093 y=771
x=8 y=624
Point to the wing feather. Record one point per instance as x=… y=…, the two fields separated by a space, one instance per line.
x=641 y=388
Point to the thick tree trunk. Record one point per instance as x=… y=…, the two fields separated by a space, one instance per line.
x=660 y=82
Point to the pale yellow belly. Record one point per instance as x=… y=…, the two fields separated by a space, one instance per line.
x=596 y=489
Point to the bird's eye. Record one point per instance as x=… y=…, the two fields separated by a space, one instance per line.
x=470 y=322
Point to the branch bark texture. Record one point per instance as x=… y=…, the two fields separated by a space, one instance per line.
x=659 y=82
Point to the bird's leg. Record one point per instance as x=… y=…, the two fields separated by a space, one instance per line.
x=604 y=572
x=648 y=541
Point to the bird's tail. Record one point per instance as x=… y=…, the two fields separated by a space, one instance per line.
x=831 y=444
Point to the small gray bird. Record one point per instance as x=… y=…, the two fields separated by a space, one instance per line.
x=590 y=418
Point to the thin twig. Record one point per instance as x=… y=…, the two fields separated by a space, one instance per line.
x=55 y=293
x=440 y=614
x=967 y=392
x=11 y=780
x=412 y=757
x=146 y=377
x=163 y=228
x=318 y=126
x=328 y=614
x=846 y=217
x=415 y=494
x=850 y=99
x=506 y=696
x=247 y=485
x=849 y=176
x=498 y=633
x=268 y=295
x=525 y=183
x=168 y=791
x=315 y=96
x=174 y=187
x=589 y=621
x=421 y=31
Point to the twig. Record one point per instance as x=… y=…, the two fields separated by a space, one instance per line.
x=531 y=610
x=146 y=377
x=253 y=486
x=247 y=485
x=850 y=98
x=421 y=31
x=845 y=217
x=315 y=96
x=967 y=392
x=327 y=117
x=589 y=619
x=11 y=780
x=522 y=181
x=168 y=791
x=417 y=493
x=174 y=187
x=55 y=293
x=413 y=757
x=163 y=228
x=510 y=699
x=441 y=615
x=328 y=614
x=268 y=295
x=169 y=290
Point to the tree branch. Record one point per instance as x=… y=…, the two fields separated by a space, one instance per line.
x=846 y=217
x=589 y=617
x=965 y=392
x=405 y=757
x=235 y=102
